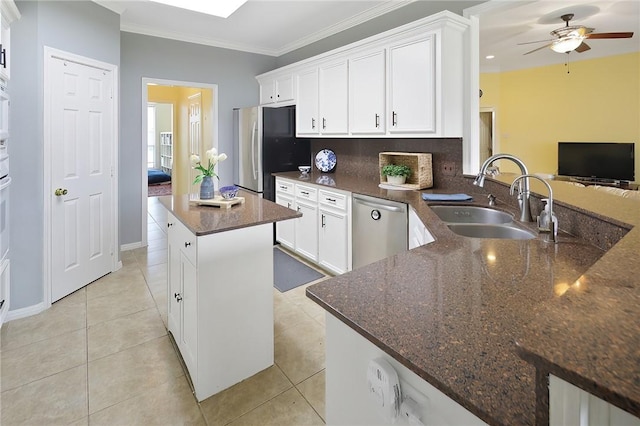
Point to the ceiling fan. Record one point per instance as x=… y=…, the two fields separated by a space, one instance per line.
x=571 y=37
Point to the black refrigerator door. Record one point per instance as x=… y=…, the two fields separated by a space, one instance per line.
x=281 y=150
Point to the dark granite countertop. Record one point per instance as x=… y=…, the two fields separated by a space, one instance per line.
x=203 y=220
x=477 y=317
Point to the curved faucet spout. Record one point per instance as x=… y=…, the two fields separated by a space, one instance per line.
x=550 y=223
x=523 y=196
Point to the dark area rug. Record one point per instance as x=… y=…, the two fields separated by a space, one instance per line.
x=289 y=272
x=160 y=189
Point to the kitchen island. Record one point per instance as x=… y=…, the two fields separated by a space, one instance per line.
x=485 y=321
x=220 y=288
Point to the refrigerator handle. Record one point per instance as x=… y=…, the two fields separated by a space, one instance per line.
x=253 y=150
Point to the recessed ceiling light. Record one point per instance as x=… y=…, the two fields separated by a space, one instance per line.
x=490 y=56
x=221 y=8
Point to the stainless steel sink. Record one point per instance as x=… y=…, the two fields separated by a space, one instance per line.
x=471 y=214
x=491 y=231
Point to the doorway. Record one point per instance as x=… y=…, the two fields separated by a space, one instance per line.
x=181 y=97
x=487 y=139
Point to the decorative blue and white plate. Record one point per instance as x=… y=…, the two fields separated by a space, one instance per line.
x=326 y=160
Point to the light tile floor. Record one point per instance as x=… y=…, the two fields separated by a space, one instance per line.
x=102 y=356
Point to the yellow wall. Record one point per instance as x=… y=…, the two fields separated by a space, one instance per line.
x=598 y=101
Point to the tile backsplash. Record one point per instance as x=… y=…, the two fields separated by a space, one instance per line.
x=359 y=157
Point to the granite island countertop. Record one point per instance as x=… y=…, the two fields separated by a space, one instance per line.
x=203 y=220
x=477 y=317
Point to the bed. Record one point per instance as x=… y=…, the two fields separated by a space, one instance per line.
x=156 y=176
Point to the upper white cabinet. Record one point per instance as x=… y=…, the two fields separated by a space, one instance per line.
x=322 y=107
x=307 y=107
x=8 y=13
x=406 y=82
x=412 y=86
x=277 y=90
x=334 y=98
x=367 y=87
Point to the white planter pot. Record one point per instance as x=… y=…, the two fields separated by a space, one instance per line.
x=396 y=180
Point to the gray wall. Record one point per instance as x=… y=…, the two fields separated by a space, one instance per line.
x=82 y=28
x=409 y=13
x=144 y=56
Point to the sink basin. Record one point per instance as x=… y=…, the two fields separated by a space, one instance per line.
x=471 y=214
x=491 y=231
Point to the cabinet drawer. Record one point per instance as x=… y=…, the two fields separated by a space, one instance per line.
x=284 y=186
x=306 y=193
x=333 y=199
x=184 y=239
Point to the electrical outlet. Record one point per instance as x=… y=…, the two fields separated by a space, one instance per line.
x=448 y=168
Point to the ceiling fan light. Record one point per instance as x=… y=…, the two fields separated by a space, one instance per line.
x=566 y=44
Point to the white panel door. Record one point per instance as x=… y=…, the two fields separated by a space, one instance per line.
x=307 y=108
x=81 y=175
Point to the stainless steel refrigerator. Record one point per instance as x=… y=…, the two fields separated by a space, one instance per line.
x=265 y=140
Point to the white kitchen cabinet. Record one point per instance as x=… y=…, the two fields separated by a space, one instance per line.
x=306 y=227
x=367 y=86
x=285 y=230
x=419 y=235
x=323 y=233
x=412 y=86
x=8 y=13
x=307 y=105
x=334 y=238
x=209 y=288
x=569 y=405
x=277 y=90
x=333 y=97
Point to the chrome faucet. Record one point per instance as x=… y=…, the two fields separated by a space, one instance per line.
x=547 y=221
x=523 y=193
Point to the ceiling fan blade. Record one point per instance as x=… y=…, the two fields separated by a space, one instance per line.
x=611 y=35
x=539 y=41
x=582 y=48
x=539 y=48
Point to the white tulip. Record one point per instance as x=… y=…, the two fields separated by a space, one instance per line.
x=213 y=159
x=194 y=160
x=222 y=157
x=211 y=153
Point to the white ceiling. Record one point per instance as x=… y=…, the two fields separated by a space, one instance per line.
x=276 y=27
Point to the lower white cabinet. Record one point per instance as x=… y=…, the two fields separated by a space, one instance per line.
x=323 y=233
x=419 y=235
x=220 y=312
x=334 y=232
x=570 y=405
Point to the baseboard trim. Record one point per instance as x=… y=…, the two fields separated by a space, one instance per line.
x=26 y=312
x=131 y=246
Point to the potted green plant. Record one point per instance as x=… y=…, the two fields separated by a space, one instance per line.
x=396 y=173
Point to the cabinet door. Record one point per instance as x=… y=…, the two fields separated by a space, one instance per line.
x=285 y=230
x=5 y=40
x=174 y=284
x=307 y=107
x=367 y=93
x=412 y=91
x=333 y=241
x=334 y=99
x=267 y=92
x=306 y=230
x=189 y=329
x=284 y=89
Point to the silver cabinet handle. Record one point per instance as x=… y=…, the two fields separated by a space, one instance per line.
x=187 y=244
x=394 y=119
x=377 y=121
x=323 y=224
x=313 y=123
x=324 y=123
x=169 y=225
x=177 y=296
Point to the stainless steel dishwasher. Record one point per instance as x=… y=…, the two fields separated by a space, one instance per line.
x=379 y=229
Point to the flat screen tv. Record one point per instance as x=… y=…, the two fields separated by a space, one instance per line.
x=605 y=161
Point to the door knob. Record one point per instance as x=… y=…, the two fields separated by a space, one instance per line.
x=60 y=191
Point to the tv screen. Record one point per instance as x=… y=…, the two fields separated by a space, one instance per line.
x=597 y=160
